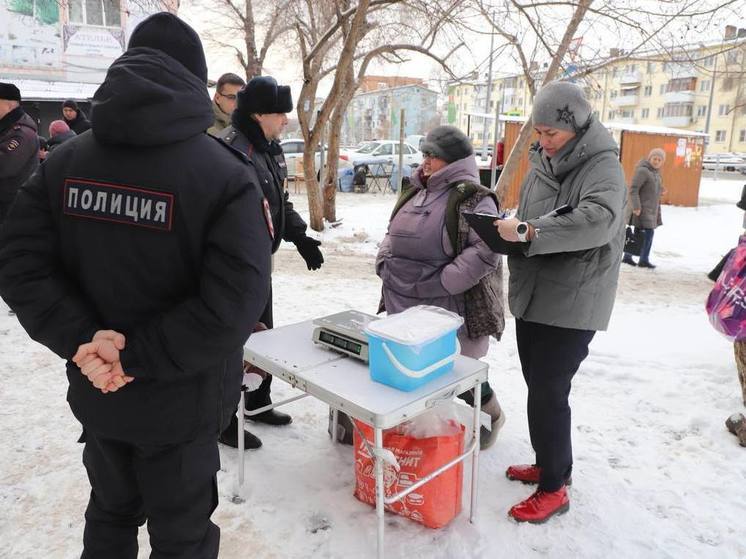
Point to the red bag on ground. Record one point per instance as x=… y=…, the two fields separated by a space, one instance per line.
x=434 y=504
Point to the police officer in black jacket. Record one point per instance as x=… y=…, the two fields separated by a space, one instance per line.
x=256 y=125
x=142 y=251
x=19 y=146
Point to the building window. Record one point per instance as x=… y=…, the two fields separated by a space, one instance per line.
x=648 y=91
x=723 y=110
x=678 y=109
x=720 y=136
x=709 y=61
x=651 y=67
x=702 y=110
x=742 y=136
x=611 y=115
x=727 y=84
x=104 y=13
x=732 y=57
x=704 y=86
x=663 y=88
x=613 y=72
x=665 y=66
x=645 y=113
x=613 y=93
x=660 y=112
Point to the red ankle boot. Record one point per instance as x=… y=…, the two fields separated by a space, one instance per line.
x=541 y=506
x=527 y=473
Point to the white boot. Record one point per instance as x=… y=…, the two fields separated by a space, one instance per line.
x=493 y=409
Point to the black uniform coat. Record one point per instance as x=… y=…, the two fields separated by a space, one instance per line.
x=19 y=155
x=151 y=227
x=247 y=137
x=79 y=124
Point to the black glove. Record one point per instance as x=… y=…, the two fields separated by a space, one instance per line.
x=309 y=250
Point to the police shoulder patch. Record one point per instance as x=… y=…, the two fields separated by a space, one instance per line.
x=118 y=203
x=12 y=144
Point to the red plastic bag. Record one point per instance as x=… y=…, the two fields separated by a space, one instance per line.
x=726 y=304
x=434 y=504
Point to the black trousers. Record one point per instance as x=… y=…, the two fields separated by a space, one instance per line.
x=550 y=356
x=173 y=487
x=261 y=396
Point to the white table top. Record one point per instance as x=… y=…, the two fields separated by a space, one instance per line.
x=344 y=383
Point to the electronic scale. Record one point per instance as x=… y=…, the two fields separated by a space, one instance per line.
x=343 y=332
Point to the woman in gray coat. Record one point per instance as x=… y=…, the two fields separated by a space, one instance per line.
x=644 y=204
x=562 y=287
x=430 y=256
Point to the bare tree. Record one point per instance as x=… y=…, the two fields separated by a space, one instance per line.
x=247 y=29
x=357 y=35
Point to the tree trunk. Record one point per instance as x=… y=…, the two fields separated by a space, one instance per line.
x=315 y=209
x=521 y=144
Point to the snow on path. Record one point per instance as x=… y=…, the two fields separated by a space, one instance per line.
x=656 y=473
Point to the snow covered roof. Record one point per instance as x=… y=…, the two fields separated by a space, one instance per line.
x=653 y=129
x=41 y=90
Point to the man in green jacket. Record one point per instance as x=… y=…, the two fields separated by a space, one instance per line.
x=562 y=287
x=224 y=101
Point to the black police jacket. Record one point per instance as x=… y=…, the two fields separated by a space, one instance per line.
x=148 y=226
x=19 y=154
x=269 y=162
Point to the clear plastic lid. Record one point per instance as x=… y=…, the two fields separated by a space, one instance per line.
x=416 y=325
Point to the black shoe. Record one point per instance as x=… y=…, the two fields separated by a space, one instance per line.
x=628 y=260
x=229 y=437
x=644 y=264
x=271 y=417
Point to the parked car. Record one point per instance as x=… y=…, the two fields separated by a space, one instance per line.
x=724 y=162
x=293 y=150
x=381 y=151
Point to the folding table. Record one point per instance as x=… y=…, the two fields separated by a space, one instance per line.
x=344 y=384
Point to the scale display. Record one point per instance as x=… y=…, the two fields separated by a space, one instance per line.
x=344 y=332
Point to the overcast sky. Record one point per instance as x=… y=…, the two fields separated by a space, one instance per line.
x=598 y=36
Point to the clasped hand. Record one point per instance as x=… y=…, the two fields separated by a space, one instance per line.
x=99 y=361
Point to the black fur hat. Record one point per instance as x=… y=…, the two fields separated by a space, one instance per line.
x=263 y=96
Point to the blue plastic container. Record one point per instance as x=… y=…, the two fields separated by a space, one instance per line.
x=407 y=360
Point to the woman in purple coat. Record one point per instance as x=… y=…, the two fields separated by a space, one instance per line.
x=430 y=256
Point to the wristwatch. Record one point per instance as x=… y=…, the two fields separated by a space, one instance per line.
x=522 y=231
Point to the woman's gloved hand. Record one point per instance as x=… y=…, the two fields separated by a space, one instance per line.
x=309 y=250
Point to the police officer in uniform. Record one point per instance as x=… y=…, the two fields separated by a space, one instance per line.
x=19 y=146
x=140 y=253
x=256 y=126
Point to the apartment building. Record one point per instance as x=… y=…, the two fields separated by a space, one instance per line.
x=701 y=88
x=375 y=114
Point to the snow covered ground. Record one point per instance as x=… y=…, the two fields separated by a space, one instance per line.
x=656 y=473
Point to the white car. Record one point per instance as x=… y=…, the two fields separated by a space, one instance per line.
x=724 y=162
x=293 y=150
x=381 y=151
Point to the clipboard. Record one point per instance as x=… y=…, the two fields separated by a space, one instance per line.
x=483 y=226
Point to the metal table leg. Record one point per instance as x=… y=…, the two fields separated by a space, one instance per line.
x=378 y=441
x=240 y=417
x=335 y=424
x=475 y=458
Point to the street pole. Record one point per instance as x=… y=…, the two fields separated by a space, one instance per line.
x=493 y=161
x=485 y=128
x=709 y=102
x=400 y=174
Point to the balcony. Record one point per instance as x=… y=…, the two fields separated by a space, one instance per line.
x=677 y=121
x=625 y=100
x=678 y=71
x=630 y=78
x=625 y=120
x=687 y=96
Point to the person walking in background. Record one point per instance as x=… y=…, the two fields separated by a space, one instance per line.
x=224 y=101
x=19 y=146
x=59 y=132
x=139 y=253
x=562 y=289
x=430 y=256
x=645 y=193
x=256 y=126
x=74 y=117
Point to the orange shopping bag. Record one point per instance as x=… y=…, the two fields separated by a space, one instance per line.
x=434 y=504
